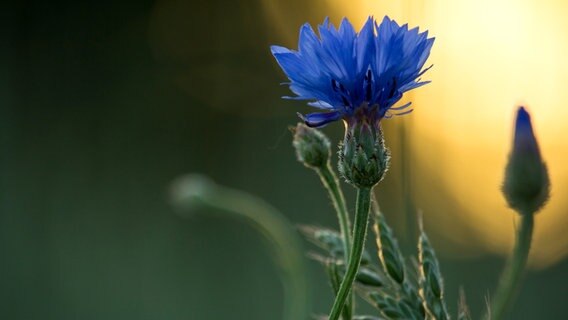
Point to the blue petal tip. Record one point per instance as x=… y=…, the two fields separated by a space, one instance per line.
x=523 y=117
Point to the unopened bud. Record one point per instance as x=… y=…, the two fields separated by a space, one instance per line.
x=312 y=146
x=526 y=186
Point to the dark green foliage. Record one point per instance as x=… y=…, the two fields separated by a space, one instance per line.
x=393 y=308
x=331 y=242
x=430 y=280
x=388 y=250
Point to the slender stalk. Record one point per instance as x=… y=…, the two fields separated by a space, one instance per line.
x=285 y=244
x=331 y=183
x=510 y=281
x=359 y=235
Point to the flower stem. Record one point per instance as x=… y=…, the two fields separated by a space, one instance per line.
x=284 y=243
x=510 y=281
x=331 y=183
x=359 y=235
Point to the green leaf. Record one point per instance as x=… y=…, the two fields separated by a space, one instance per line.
x=430 y=279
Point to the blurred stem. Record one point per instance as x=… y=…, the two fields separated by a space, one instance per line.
x=285 y=243
x=359 y=235
x=331 y=183
x=510 y=281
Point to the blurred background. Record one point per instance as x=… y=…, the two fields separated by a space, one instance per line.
x=103 y=104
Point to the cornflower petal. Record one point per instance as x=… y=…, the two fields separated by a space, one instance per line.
x=319 y=119
x=354 y=74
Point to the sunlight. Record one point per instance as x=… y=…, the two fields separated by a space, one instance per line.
x=489 y=57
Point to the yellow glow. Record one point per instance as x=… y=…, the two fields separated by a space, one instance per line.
x=489 y=56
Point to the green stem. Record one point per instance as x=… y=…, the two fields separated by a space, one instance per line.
x=359 y=235
x=285 y=244
x=510 y=281
x=331 y=183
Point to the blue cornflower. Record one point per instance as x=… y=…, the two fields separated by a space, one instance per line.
x=351 y=75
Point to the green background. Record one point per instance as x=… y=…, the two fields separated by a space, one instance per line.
x=103 y=104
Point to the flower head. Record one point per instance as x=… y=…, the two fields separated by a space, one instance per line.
x=351 y=75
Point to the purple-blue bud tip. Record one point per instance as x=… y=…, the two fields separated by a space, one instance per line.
x=525 y=141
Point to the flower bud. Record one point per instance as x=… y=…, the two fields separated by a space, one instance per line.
x=526 y=186
x=312 y=146
x=363 y=157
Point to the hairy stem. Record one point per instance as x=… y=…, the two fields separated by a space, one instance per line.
x=510 y=281
x=359 y=235
x=331 y=183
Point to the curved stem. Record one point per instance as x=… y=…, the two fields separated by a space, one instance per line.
x=510 y=281
x=285 y=243
x=331 y=183
x=359 y=235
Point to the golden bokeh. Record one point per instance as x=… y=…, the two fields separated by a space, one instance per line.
x=489 y=57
